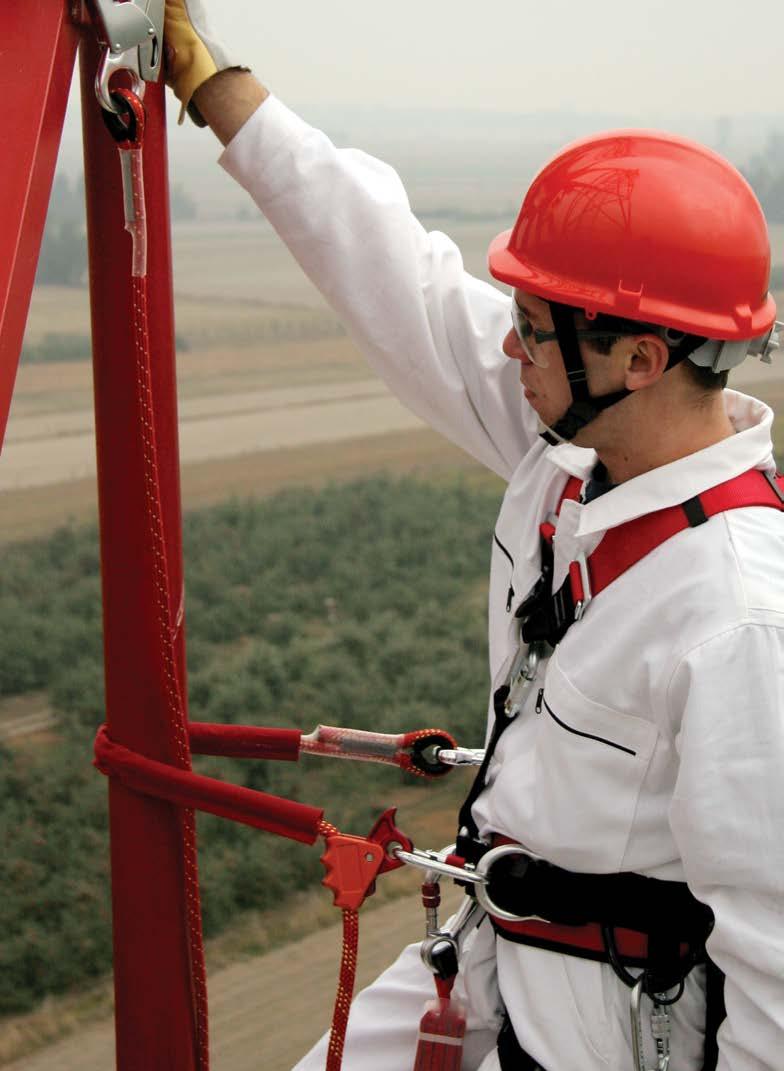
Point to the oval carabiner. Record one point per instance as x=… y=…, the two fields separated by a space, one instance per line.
x=483 y=868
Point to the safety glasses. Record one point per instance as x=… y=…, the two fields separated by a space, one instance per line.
x=531 y=338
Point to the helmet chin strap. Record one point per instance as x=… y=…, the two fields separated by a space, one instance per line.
x=584 y=406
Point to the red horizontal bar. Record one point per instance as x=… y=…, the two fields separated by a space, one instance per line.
x=284 y=818
x=244 y=741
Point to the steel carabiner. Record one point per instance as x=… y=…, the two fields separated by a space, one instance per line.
x=132 y=38
x=660 y=1028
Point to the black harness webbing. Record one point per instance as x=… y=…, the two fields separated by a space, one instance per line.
x=511 y=1056
x=468 y=833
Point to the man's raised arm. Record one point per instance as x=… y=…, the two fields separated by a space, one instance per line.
x=212 y=87
x=429 y=329
x=227 y=100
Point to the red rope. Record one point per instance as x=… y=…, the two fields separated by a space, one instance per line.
x=177 y=718
x=343 y=997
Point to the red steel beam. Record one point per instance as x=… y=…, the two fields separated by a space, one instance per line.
x=155 y=977
x=38 y=44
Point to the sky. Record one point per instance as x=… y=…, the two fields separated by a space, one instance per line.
x=695 y=56
x=412 y=71
x=646 y=61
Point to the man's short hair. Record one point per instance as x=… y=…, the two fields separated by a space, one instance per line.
x=705 y=379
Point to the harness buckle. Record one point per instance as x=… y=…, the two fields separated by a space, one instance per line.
x=580 y=583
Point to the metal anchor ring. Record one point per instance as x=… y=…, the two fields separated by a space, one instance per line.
x=483 y=868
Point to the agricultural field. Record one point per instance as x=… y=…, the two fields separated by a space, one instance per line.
x=265 y=373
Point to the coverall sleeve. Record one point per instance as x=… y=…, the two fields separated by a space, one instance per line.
x=727 y=816
x=431 y=331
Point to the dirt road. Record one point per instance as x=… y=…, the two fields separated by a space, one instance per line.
x=60 y=447
x=57 y=447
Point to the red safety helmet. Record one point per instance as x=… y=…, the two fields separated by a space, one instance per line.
x=645 y=226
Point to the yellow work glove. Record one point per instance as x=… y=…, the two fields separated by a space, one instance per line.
x=193 y=53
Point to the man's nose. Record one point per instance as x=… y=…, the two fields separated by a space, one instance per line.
x=513 y=347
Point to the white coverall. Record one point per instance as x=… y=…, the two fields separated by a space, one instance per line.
x=667 y=755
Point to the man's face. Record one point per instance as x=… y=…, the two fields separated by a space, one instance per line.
x=546 y=389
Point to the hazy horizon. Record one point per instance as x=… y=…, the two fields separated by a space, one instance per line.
x=670 y=65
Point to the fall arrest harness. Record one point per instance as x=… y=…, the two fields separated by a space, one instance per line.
x=623 y=919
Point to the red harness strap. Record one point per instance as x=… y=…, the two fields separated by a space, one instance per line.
x=632 y=946
x=624 y=546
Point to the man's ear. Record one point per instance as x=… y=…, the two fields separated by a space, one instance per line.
x=647 y=362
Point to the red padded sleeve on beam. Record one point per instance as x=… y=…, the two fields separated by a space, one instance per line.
x=284 y=818
x=244 y=741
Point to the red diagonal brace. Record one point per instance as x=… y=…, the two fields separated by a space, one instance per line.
x=38 y=44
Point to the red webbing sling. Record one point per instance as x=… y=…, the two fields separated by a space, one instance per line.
x=244 y=741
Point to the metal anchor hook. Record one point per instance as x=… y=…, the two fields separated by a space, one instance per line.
x=132 y=36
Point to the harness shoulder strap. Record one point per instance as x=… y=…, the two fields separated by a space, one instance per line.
x=574 y=486
x=624 y=546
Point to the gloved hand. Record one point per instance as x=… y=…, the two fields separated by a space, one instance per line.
x=193 y=53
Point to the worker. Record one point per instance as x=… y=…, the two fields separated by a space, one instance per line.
x=641 y=762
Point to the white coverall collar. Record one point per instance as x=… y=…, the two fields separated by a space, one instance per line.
x=671 y=484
